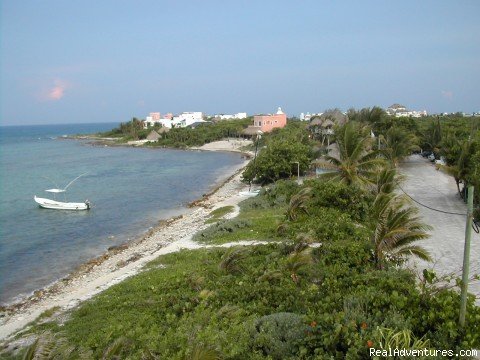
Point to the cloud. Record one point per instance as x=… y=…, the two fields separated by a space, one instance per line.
x=54 y=92
x=447 y=94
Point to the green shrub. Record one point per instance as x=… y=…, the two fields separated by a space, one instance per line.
x=221 y=227
x=278 y=335
x=349 y=199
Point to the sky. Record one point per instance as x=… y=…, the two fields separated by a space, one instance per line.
x=110 y=60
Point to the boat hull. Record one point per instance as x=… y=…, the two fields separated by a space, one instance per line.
x=59 y=205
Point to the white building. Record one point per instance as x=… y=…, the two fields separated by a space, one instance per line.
x=242 y=115
x=308 y=116
x=164 y=122
x=398 y=110
x=187 y=118
x=415 y=114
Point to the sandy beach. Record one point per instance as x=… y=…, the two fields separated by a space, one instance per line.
x=124 y=261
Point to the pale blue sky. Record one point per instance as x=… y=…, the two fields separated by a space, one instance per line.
x=104 y=61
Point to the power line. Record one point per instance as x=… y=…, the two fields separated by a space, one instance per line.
x=429 y=207
x=475 y=223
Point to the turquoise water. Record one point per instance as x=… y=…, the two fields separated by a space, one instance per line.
x=130 y=189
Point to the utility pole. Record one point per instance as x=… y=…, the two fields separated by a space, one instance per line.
x=298 y=171
x=259 y=135
x=466 y=256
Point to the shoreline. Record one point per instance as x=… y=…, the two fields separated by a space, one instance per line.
x=125 y=260
x=228 y=145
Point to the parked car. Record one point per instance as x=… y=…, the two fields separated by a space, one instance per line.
x=426 y=153
x=431 y=157
x=441 y=161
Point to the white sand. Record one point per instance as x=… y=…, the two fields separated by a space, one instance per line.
x=115 y=266
x=225 y=145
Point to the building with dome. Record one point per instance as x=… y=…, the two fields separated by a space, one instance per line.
x=267 y=123
x=398 y=110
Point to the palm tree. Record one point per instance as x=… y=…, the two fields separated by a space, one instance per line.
x=50 y=346
x=432 y=137
x=386 y=180
x=356 y=162
x=395 y=227
x=232 y=260
x=297 y=261
x=398 y=144
x=298 y=202
x=460 y=169
x=400 y=339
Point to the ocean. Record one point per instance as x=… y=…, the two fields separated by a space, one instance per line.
x=130 y=190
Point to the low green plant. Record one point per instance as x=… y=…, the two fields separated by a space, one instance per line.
x=232 y=260
x=217 y=214
x=277 y=336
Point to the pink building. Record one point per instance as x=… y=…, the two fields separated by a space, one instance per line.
x=155 y=116
x=267 y=123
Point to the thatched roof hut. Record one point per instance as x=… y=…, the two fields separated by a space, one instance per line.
x=329 y=119
x=321 y=162
x=252 y=131
x=153 y=136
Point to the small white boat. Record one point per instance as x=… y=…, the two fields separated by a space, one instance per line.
x=249 y=193
x=61 y=205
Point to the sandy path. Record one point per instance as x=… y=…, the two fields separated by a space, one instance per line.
x=117 y=265
x=438 y=190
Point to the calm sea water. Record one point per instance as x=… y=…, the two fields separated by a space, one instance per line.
x=130 y=189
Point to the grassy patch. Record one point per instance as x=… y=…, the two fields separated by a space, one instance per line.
x=48 y=313
x=250 y=224
x=217 y=214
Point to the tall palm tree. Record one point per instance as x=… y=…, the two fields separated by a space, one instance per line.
x=395 y=229
x=398 y=144
x=386 y=180
x=432 y=137
x=356 y=162
x=460 y=169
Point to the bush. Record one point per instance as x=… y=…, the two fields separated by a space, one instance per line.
x=278 y=335
x=277 y=161
x=349 y=199
x=222 y=227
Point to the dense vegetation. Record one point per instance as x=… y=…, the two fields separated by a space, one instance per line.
x=131 y=130
x=181 y=137
x=328 y=285
x=454 y=138
x=284 y=300
x=285 y=152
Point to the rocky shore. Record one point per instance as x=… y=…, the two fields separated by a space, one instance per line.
x=121 y=262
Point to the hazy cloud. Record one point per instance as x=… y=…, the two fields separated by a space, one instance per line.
x=54 y=92
x=447 y=94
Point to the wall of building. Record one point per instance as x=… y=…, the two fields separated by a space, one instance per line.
x=269 y=122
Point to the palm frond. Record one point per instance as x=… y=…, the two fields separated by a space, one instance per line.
x=232 y=260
